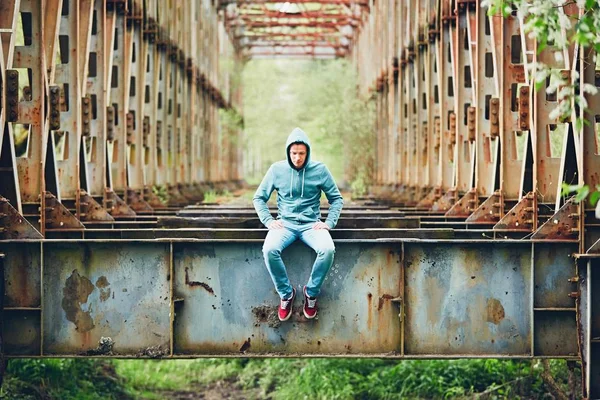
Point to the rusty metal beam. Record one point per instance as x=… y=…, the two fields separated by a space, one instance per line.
x=336 y=2
x=89 y=101
x=283 y=17
x=531 y=321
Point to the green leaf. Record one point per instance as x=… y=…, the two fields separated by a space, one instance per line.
x=594 y=198
x=582 y=193
x=568 y=189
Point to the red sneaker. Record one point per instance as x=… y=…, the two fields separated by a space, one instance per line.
x=285 y=307
x=310 y=305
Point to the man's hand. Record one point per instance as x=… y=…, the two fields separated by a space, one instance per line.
x=320 y=225
x=276 y=224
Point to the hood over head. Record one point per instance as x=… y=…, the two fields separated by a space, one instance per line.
x=297 y=136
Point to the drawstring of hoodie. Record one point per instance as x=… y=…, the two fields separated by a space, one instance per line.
x=292 y=182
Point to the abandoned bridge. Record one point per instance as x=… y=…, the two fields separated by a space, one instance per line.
x=464 y=247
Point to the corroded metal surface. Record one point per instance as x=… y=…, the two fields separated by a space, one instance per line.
x=392 y=298
x=22 y=267
x=91 y=290
x=468 y=299
x=356 y=316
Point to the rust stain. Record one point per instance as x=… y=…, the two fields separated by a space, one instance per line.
x=196 y=283
x=103 y=284
x=245 y=346
x=23 y=295
x=369 y=311
x=266 y=314
x=495 y=311
x=75 y=293
x=382 y=300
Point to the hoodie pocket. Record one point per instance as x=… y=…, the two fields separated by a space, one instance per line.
x=309 y=214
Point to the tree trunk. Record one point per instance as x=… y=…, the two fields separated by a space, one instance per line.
x=551 y=384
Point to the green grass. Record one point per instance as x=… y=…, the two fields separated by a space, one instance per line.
x=282 y=378
x=210 y=197
x=63 y=379
x=145 y=376
x=348 y=378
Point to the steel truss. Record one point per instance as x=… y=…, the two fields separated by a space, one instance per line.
x=462 y=131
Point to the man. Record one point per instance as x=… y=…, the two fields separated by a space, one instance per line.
x=299 y=182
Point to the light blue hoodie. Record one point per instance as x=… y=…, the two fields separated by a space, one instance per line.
x=298 y=190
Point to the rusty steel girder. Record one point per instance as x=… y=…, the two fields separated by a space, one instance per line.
x=473 y=141
x=338 y=19
x=397 y=299
x=105 y=100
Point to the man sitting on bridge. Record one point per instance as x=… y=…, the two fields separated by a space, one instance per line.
x=299 y=182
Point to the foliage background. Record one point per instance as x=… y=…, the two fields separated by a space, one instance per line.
x=320 y=98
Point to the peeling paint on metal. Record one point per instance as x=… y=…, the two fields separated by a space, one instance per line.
x=495 y=311
x=75 y=293
x=103 y=285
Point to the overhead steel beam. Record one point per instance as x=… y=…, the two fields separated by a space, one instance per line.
x=336 y=2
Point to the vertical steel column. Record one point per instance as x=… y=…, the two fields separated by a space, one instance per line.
x=588 y=313
x=404 y=90
x=547 y=155
x=67 y=140
x=465 y=100
x=137 y=131
x=173 y=73
x=151 y=111
x=395 y=46
x=411 y=89
x=422 y=80
x=514 y=128
x=488 y=163
x=160 y=94
x=32 y=113
x=487 y=101
x=447 y=108
x=12 y=224
x=589 y=138
x=188 y=105
x=431 y=29
x=94 y=91
x=118 y=106
x=196 y=107
x=390 y=57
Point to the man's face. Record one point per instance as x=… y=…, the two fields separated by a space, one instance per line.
x=298 y=154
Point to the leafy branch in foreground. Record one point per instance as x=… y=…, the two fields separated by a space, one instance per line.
x=581 y=193
x=557 y=26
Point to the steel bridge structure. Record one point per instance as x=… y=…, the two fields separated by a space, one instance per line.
x=465 y=247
